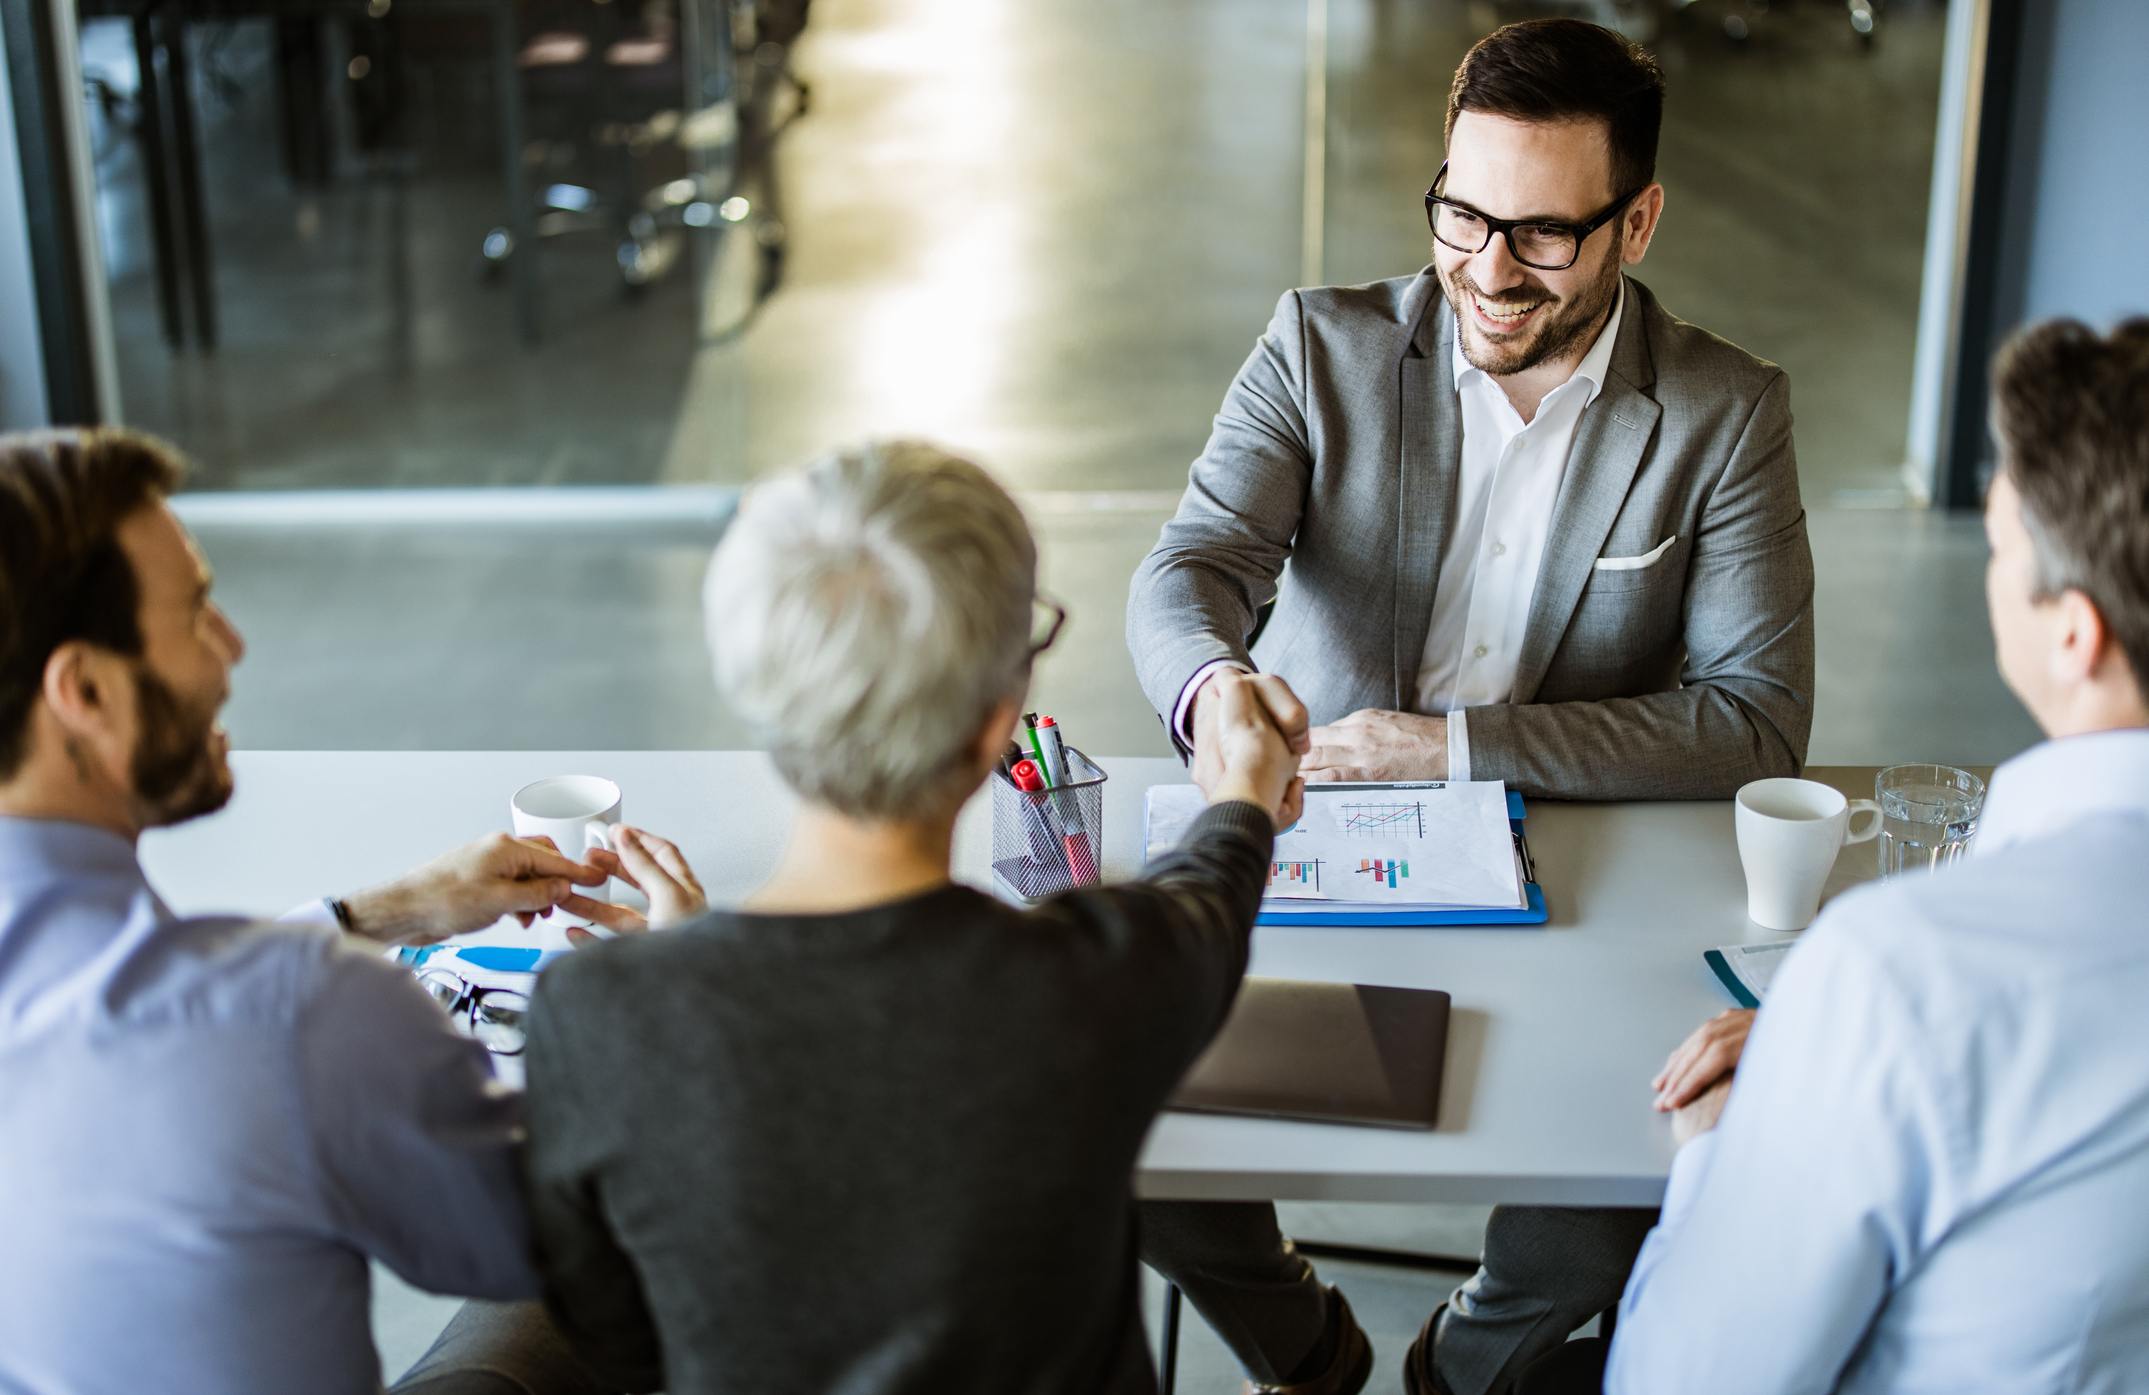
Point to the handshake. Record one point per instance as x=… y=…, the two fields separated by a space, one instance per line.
x=1251 y=733
x=1369 y=744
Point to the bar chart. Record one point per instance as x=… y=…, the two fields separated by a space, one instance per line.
x=1295 y=876
x=1385 y=871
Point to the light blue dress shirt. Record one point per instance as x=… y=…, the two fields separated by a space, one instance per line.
x=1933 y=1171
x=207 y=1127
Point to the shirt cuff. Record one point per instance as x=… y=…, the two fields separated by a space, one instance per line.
x=1183 y=710
x=1458 y=745
x=1688 y=1168
x=312 y=913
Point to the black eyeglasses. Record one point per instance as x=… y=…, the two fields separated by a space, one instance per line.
x=1045 y=625
x=1537 y=242
x=493 y=1015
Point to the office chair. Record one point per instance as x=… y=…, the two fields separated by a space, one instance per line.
x=1644 y=20
x=667 y=119
x=1739 y=19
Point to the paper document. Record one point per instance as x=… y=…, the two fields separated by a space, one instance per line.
x=1747 y=970
x=1419 y=846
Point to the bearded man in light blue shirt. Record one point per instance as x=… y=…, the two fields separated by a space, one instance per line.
x=209 y=1127
x=1931 y=1169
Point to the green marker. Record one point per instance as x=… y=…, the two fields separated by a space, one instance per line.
x=1029 y=720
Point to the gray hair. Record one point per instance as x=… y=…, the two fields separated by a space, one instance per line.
x=866 y=613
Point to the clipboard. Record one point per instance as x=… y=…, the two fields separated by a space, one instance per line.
x=1533 y=911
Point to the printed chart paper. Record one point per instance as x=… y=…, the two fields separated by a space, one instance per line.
x=1396 y=847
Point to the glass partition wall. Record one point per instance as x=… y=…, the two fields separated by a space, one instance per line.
x=1796 y=157
x=424 y=243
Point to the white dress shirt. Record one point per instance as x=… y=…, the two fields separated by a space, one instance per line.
x=1509 y=481
x=1933 y=1171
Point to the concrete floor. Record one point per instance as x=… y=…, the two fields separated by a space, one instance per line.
x=1044 y=230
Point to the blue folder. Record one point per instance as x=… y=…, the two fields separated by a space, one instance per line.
x=506 y=959
x=1532 y=912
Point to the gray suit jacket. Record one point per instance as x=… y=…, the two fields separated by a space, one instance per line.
x=1337 y=451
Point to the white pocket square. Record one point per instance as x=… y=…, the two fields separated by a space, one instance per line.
x=1635 y=564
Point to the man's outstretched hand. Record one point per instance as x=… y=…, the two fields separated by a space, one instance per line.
x=470 y=888
x=1249 y=733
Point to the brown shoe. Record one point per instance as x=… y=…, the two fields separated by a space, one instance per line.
x=1418 y=1377
x=1347 y=1374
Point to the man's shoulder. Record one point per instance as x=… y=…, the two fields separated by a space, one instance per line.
x=1355 y=333
x=1993 y=927
x=1390 y=304
x=226 y=969
x=1688 y=360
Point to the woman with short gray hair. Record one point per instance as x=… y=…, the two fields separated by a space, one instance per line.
x=874 y=1131
x=866 y=615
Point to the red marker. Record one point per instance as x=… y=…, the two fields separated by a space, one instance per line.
x=1080 y=865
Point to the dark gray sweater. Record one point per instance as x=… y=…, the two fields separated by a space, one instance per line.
x=880 y=1152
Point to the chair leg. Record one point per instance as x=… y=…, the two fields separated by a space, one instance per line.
x=1168 y=1356
x=186 y=149
x=157 y=175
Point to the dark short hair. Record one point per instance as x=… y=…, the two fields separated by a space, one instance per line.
x=2070 y=408
x=63 y=574
x=1564 y=70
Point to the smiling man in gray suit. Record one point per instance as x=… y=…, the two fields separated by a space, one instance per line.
x=1537 y=528
x=1526 y=525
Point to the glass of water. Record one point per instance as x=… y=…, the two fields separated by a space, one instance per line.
x=1928 y=815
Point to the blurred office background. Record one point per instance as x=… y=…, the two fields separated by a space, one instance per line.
x=475 y=314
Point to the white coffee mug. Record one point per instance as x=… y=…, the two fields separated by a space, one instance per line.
x=1789 y=834
x=575 y=811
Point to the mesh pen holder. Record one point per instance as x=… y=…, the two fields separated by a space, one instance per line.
x=1049 y=840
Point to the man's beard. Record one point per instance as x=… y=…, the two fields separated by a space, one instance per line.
x=1559 y=329
x=179 y=770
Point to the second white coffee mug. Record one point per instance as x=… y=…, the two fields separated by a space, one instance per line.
x=575 y=811
x=1789 y=834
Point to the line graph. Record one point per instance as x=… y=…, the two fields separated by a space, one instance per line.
x=1375 y=819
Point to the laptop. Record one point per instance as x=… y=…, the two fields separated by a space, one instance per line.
x=1342 y=1053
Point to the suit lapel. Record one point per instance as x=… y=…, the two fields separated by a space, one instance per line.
x=1429 y=459
x=1609 y=443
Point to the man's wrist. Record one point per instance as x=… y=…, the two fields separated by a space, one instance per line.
x=381 y=914
x=1183 y=718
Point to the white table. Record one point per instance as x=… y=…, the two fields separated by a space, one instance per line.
x=1555 y=1033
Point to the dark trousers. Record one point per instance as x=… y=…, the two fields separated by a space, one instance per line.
x=1544 y=1272
x=1576 y=1368
x=1242 y=1276
x=499 y=1349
